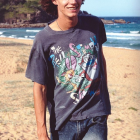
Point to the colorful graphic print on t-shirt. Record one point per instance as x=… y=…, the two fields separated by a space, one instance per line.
x=76 y=68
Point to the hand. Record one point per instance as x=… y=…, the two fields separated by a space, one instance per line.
x=43 y=138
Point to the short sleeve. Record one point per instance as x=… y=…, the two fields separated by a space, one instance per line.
x=37 y=67
x=103 y=37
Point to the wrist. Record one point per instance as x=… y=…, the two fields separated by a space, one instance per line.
x=42 y=131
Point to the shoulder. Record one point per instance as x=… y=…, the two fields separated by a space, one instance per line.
x=89 y=22
x=39 y=40
x=40 y=35
x=90 y=18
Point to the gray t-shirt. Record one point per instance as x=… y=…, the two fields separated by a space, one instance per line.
x=69 y=63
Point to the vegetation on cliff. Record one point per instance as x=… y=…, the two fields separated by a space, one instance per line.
x=14 y=11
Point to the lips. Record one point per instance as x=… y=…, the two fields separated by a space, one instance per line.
x=72 y=8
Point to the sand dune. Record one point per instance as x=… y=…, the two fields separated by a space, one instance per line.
x=17 y=117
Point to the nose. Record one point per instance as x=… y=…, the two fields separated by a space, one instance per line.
x=73 y=1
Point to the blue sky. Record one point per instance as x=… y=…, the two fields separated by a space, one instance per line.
x=112 y=7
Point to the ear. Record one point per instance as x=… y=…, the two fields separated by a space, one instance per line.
x=54 y=2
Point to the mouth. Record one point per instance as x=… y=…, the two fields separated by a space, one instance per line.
x=72 y=8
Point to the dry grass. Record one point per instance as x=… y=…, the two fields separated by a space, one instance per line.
x=17 y=116
x=17 y=57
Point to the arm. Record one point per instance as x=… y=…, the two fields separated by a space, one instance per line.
x=40 y=102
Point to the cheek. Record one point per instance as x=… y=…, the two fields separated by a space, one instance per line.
x=62 y=4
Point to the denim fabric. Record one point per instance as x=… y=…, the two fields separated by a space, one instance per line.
x=88 y=129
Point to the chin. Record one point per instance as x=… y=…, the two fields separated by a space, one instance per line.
x=72 y=15
x=69 y=14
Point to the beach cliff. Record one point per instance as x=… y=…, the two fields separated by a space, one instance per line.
x=23 y=13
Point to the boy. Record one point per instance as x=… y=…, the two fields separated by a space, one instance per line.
x=68 y=68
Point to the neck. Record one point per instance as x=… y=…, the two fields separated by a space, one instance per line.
x=65 y=24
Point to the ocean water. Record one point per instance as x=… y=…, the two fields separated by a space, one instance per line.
x=118 y=35
x=122 y=35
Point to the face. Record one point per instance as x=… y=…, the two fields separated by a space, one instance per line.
x=68 y=8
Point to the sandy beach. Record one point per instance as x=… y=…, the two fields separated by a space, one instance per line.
x=17 y=117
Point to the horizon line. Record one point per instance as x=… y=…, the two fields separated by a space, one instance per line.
x=118 y=16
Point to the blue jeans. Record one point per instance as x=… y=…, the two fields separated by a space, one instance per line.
x=89 y=129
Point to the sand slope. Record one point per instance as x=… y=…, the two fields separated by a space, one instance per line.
x=17 y=117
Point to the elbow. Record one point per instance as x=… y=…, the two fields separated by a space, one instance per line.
x=44 y=89
x=38 y=88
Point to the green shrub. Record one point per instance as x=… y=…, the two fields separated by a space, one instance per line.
x=10 y=15
x=132 y=108
x=14 y=11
